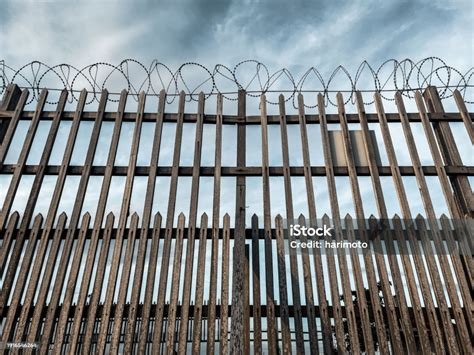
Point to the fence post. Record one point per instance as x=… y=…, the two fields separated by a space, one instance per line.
x=237 y=324
x=11 y=96
x=449 y=151
x=247 y=300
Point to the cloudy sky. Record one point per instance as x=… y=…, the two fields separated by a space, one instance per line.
x=295 y=35
x=280 y=33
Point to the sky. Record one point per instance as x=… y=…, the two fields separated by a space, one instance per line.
x=295 y=35
x=279 y=33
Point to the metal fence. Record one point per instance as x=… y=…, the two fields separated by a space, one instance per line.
x=152 y=283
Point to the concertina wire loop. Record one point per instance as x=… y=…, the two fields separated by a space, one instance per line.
x=253 y=76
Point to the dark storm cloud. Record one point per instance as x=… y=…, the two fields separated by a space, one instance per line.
x=295 y=34
x=175 y=29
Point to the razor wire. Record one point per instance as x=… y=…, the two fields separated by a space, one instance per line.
x=405 y=76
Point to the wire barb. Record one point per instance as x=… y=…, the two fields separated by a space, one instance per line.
x=252 y=76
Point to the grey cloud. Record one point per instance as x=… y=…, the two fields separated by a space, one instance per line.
x=295 y=34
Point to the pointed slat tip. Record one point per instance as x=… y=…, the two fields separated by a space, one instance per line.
x=419 y=217
x=396 y=216
x=181 y=215
x=157 y=215
x=11 y=86
x=373 y=223
x=38 y=218
x=254 y=216
x=397 y=222
x=157 y=221
x=418 y=95
x=281 y=97
x=13 y=220
x=110 y=215
x=372 y=217
x=301 y=216
x=301 y=220
x=348 y=217
x=87 y=215
x=204 y=215
x=134 y=222
x=134 y=215
x=181 y=222
x=278 y=217
x=444 y=216
x=320 y=104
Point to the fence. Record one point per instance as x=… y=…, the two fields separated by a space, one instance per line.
x=71 y=283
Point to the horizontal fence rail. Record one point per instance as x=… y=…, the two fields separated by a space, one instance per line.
x=89 y=274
